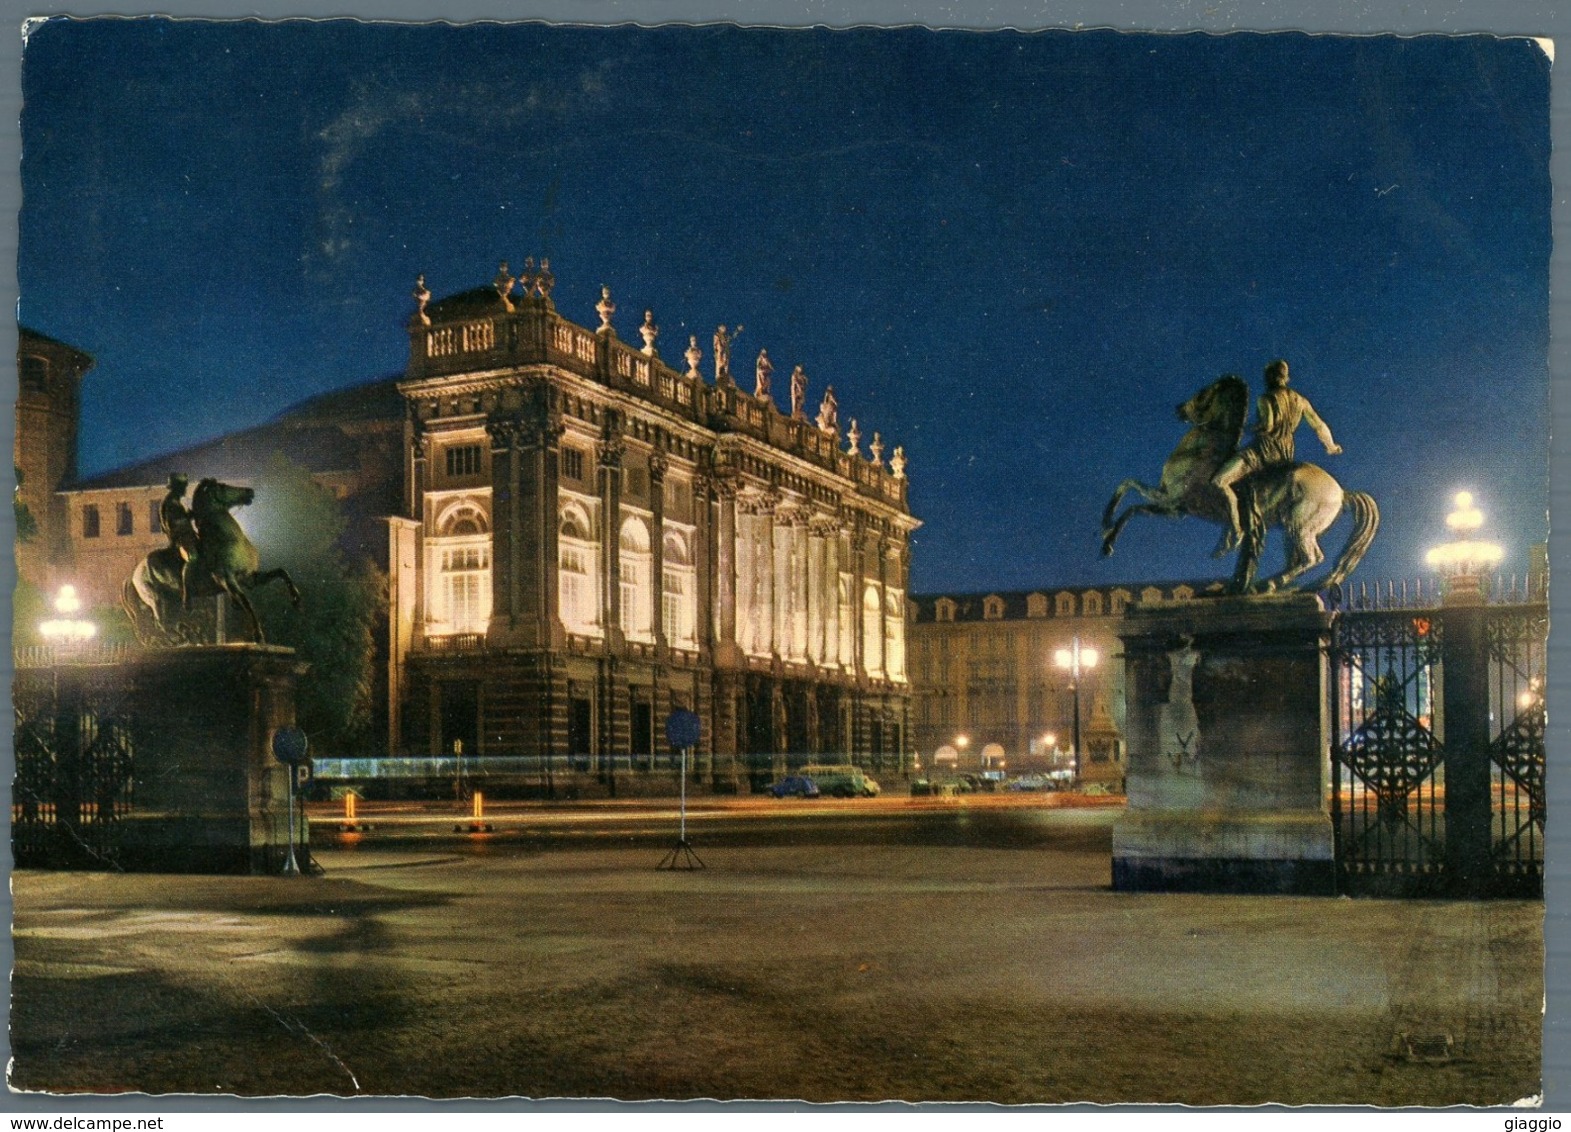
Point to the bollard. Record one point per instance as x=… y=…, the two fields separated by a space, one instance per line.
x=352 y=822
x=477 y=822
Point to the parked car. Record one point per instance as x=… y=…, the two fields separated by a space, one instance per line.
x=795 y=786
x=1032 y=782
x=845 y=781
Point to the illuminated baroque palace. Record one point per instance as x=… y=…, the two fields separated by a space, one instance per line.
x=591 y=538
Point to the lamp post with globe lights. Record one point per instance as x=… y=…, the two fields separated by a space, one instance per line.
x=1464 y=561
x=1077 y=658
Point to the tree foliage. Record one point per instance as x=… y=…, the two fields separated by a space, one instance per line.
x=297 y=524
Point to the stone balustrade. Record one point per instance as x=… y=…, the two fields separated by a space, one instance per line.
x=532 y=332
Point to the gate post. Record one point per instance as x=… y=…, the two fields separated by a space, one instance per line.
x=1464 y=659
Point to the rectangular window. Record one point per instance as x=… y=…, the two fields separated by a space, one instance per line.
x=90 y=520
x=676 y=606
x=155 y=517
x=463 y=461
x=579 y=610
x=573 y=464
x=465 y=588
x=123 y=522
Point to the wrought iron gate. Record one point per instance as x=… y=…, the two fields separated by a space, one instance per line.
x=1437 y=752
x=75 y=776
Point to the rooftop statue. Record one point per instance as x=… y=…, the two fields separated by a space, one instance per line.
x=1302 y=500
x=723 y=353
x=829 y=412
x=798 y=393
x=649 y=332
x=422 y=299
x=694 y=355
x=527 y=279
x=544 y=281
x=854 y=436
x=605 y=308
x=762 y=373
x=876 y=448
x=208 y=555
x=897 y=462
x=504 y=285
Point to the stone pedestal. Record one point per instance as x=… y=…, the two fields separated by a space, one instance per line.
x=1227 y=739
x=209 y=797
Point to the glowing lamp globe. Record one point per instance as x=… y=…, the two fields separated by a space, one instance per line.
x=1465 y=560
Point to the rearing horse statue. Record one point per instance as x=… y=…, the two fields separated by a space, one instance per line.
x=225 y=561
x=1303 y=500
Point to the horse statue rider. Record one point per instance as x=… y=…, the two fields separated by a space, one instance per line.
x=208 y=555
x=1200 y=475
x=176 y=519
x=1278 y=414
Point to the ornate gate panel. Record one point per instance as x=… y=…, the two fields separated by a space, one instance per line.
x=1387 y=756
x=1398 y=830
x=75 y=776
x=1517 y=639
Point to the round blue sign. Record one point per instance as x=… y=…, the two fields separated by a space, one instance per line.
x=290 y=745
x=682 y=729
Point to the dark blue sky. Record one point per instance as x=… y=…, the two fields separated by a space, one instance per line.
x=1011 y=253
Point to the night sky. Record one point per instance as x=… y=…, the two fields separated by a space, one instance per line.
x=1012 y=253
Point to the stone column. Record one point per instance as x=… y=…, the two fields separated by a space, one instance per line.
x=610 y=485
x=801 y=585
x=506 y=527
x=822 y=590
x=859 y=599
x=720 y=620
x=419 y=451
x=746 y=575
x=845 y=612
x=657 y=471
x=765 y=563
x=883 y=607
x=532 y=547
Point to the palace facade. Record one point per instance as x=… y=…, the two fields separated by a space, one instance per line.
x=592 y=538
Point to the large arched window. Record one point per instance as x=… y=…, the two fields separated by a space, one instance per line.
x=578 y=569
x=872 y=630
x=895 y=633
x=678 y=592
x=459 y=560
x=633 y=572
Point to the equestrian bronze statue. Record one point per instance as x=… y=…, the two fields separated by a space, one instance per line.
x=1302 y=500
x=208 y=555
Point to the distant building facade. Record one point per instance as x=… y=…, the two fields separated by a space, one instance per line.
x=350 y=441
x=592 y=538
x=988 y=691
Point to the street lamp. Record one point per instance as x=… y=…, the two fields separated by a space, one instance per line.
x=1463 y=561
x=66 y=628
x=1076 y=658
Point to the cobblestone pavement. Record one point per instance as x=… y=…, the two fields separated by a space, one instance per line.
x=974 y=955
